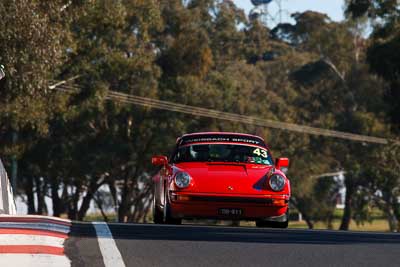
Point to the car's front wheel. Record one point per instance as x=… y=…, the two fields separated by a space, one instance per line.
x=158 y=216
x=268 y=224
x=167 y=218
x=167 y=215
x=275 y=224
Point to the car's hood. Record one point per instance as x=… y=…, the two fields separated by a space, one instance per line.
x=227 y=178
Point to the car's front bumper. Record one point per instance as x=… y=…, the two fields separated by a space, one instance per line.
x=253 y=207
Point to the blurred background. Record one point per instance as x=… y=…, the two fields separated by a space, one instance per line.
x=77 y=128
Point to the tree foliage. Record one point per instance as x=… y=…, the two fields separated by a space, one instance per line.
x=315 y=72
x=32 y=41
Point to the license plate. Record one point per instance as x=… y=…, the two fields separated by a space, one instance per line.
x=230 y=212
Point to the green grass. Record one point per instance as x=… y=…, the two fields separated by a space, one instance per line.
x=99 y=218
x=378 y=225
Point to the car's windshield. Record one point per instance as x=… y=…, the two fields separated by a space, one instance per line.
x=222 y=153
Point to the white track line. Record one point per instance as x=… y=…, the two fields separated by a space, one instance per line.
x=35 y=217
x=111 y=255
x=37 y=226
x=33 y=260
x=18 y=239
x=29 y=259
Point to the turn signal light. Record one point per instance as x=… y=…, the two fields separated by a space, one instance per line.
x=280 y=202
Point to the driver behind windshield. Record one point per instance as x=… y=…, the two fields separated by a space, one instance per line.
x=222 y=153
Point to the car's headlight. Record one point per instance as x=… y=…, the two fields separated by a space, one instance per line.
x=182 y=179
x=277 y=182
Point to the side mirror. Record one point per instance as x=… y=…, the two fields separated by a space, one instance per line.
x=159 y=160
x=282 y=164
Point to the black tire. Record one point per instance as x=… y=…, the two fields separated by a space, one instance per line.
x=167 y=217
x=270 y=224
x=284 y=224
x=158 y=216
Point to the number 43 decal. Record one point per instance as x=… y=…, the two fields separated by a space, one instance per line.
x=260 y=152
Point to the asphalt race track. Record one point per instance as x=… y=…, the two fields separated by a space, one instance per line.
x=192 y=245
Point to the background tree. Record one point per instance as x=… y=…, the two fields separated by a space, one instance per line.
x=385 y=41
x=32 y=41
x=314 y=72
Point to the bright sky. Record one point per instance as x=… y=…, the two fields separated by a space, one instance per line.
x=333 y=8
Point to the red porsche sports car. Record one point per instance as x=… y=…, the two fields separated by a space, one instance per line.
x=222 y=176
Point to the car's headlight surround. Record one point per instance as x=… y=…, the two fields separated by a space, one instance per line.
x=277 y=182
x=182 y=179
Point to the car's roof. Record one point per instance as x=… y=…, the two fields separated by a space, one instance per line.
x=225 y=136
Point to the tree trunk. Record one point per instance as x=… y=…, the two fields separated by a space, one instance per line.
x=30 y=196
x=135 y=216
x=57 y=208
x=330 y=222
x=309 y=222
x=40 y=196
x=73 y=203
x=306 y=218
x=114 y=194
x=85 y=205
x=123 y=211
x=130 y=184
x=396 y=208
x=147 y=211
x=139 y=203
x=392 y=220
x=88 y=198
x=392 y=213
x=100 y=206
x=124 y=207
x=347 y=214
